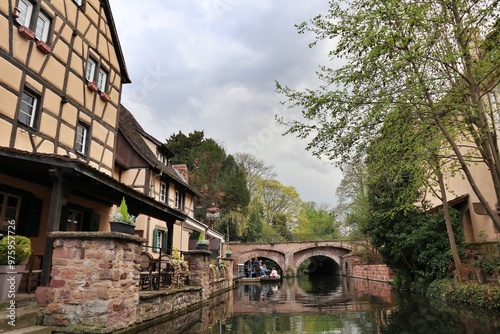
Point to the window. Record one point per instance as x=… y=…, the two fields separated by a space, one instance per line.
x=81 y=138
x=27 y=111
x=91 y=66
x=42 y=27
x=25 y=12
x=35 y=20
x=9 y=209
x=163 y=192
x=75 y=220
x=178 y=200
x=102 y=78
x=160 y=240
x=78 y=2
x=161 y=157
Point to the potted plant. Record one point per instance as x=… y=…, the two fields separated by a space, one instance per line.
x=14 y=254
x=229 y=252
x=121 y=220
x=202 y=242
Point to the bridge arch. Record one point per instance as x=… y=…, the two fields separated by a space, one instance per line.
x=289 y=255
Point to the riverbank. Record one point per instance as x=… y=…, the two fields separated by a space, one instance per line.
x=476 y=295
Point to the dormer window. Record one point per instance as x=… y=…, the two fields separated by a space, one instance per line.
x=161 y=157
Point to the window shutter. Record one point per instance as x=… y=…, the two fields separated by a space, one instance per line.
x=155 y=240
x=94 y=222
x=165 y=239
x=31 y=211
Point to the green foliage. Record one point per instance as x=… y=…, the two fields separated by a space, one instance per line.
x=18 y=247
x=490 y=265
x=254 y=226
x=122 y=214
x=202 y=240
x=214 y=173
x=315 y=223
x=472 y=294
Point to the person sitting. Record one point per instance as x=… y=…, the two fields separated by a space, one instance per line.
x=274 y=273
x=263 y=270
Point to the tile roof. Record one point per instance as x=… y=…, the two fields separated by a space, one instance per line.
x=135 y=134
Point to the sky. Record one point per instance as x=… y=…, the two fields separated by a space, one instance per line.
x=211 y=65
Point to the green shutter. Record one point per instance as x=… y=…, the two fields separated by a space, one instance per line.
x=155 y=240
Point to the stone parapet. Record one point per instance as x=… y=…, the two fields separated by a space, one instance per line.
x=94 y=282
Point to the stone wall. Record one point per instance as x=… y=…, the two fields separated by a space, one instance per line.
x=374 y=272
x=94 y=282
x=94 y=285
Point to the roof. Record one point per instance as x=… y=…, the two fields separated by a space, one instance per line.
x=116 y=42
x=134 y=134
x=85 y=181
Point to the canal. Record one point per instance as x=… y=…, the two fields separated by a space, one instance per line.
x=330 y=304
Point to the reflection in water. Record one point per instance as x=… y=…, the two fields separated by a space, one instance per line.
x=321 y=305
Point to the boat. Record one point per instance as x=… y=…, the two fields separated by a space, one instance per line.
x=266 y=279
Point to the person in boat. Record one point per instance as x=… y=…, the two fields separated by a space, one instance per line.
x=274 y=273
x=256 y=266
x=263 y=270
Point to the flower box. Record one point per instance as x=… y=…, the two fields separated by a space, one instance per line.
x=26 y=32
x=105 y=97
x=122 y=227
x=92 y=86
x=42 y=46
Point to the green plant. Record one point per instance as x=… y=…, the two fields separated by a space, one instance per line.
x=14 y=250
x=122 y=214
x=202 y=240
x=228 y=250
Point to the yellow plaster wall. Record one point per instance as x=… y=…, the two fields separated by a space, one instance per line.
x=4 y=38
x=9 y=74
x=8 y=104
x=6 y=131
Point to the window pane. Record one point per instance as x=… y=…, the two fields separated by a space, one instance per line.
x=42 y=27
x=89 y=75
x=27 y=110
x=101 y=80
x=81 y=138
x=25 y=11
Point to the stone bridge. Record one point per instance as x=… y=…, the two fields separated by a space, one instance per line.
x=289 y=255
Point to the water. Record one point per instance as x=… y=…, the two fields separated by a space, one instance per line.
x=323 y=305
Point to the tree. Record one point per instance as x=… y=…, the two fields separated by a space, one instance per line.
x=278 y=199
x=439 y=58
x=315 y=222
x=215 y=174
x=352 y=196
x=255 y=171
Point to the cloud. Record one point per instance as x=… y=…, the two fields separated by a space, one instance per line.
x=211 y=65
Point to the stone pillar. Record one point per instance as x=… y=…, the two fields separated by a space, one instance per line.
x=199 y=270
x=230 y=272
x=94 y=282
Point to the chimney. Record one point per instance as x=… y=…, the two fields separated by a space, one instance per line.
x=183 y=172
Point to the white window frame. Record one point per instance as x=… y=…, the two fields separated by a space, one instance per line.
x=102 y=78
x=31 y=113
x=78 y=2
x=178 y=200
x=90 y=71
x=42 y=27
x=81 y=138
x=25 y=12
x=4 y=219
x=161 y=157
x=163 y=192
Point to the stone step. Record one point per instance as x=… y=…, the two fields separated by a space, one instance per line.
x=32 y=330
x=24 y=317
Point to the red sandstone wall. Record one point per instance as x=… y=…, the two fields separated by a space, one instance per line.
x=375 y=272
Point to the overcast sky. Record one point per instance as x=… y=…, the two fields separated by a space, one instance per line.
x=211 y=65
